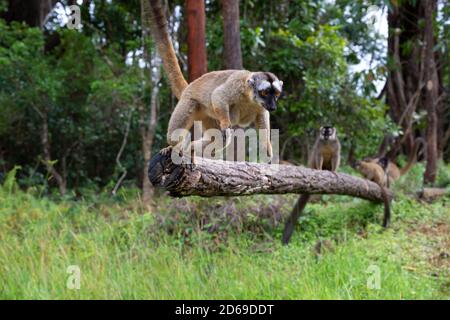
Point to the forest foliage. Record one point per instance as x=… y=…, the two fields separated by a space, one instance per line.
x=93 y=79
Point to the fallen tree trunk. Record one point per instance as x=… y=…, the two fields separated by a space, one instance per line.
x=431 y=194
x=225 y=178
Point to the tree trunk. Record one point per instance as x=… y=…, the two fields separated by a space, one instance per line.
x=431 y=93
x=148 y=130
x=232 y=40
x=147 y=188
x=148 y=135
x=32 y=12
x=197 y=62
x=225 y=178
x=431 y=194
x=414 y=81
x=405 y=81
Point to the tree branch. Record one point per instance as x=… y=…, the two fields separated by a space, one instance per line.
x=119 y=154
x=225 y=178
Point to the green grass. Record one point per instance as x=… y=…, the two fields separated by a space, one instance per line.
x=194 y=248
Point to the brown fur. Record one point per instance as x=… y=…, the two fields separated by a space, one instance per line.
x=220 y=99
x=393 y=171
x=326 y=155
x=164 y=45
x=374 y=172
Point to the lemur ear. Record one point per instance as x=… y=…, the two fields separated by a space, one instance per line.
x=251 y=82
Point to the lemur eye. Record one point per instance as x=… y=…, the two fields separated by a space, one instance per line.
x=263 y=93
x=277 y=94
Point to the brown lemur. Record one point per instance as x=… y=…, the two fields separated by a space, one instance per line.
x=393 y=172
x=218 y=99
x=375 y=172
x=384 y=172
x=325 y=155
x=326 y=152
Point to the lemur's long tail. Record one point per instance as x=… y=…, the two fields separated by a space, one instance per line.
x=157 y=22
x=292 y=220
x=387 y=208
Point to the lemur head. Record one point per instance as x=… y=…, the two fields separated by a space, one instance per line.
x=266 y=89
x=355 y=164
x=327 y=133
x=361 y=165
x=370 y=170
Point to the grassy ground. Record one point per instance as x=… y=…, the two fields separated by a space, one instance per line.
x=221 y=248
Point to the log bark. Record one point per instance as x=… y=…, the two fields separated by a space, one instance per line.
x=225 y=178
x=431 y=194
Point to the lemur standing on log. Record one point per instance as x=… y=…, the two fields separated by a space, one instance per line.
x=219 y=99
x=326 y=155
